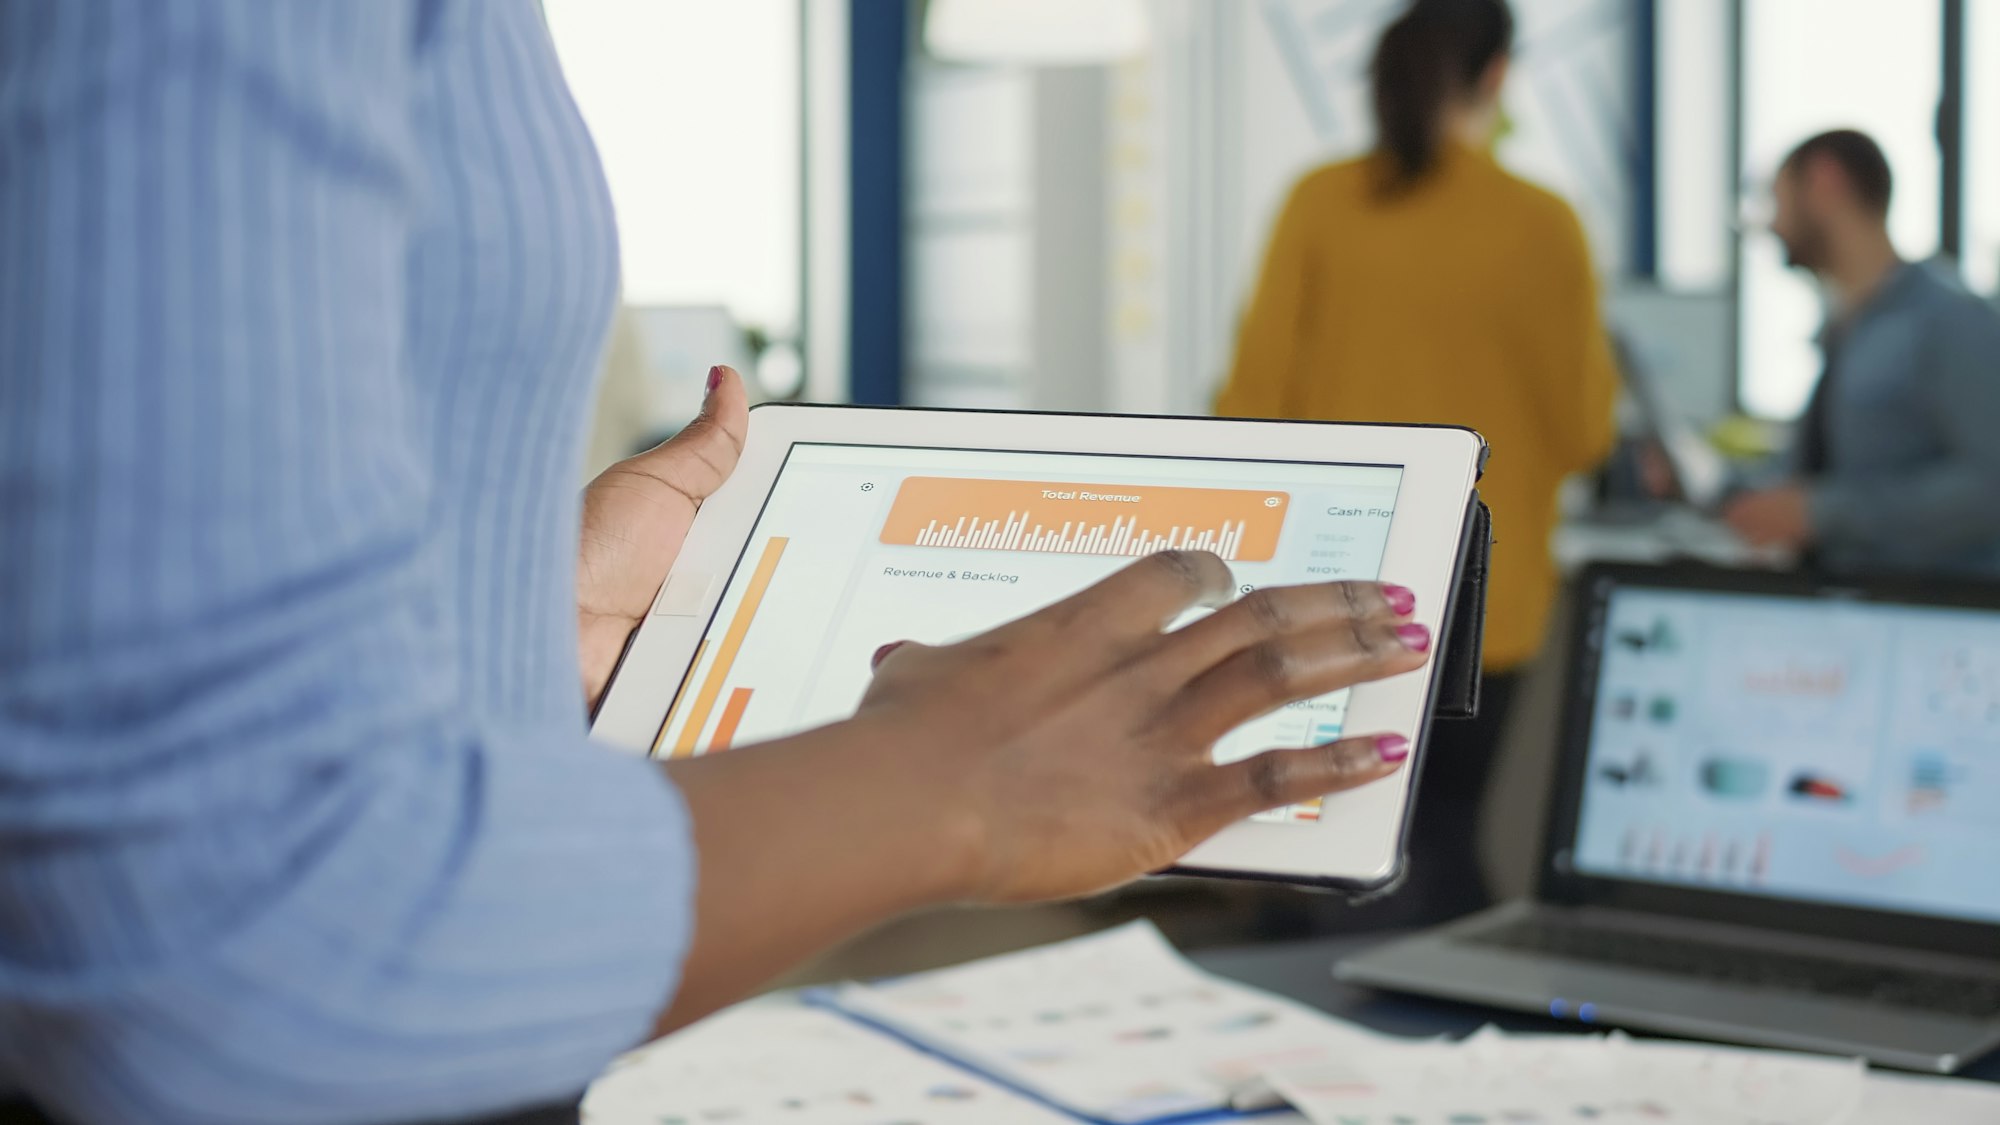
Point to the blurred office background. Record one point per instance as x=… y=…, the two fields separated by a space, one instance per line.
x=1061 y=204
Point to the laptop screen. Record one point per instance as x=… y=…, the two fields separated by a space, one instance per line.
x=1803 y=748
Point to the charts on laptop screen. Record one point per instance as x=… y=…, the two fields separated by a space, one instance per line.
x=1835 y=752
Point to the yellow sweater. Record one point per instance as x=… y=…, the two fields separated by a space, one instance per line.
x=1468 y=299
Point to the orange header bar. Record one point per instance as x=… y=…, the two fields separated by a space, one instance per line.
x=1084 y=519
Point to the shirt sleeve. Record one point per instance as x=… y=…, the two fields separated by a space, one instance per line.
x=262 y=863
x=1946 y=505
x=1263 y=372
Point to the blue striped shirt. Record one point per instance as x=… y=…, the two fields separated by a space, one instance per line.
x=299 y=307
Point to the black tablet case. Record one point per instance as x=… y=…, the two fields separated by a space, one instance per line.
x=1456 y=695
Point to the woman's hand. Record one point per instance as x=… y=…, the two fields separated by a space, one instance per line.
x=1056 y=756
x=1076 y=742
x=636 y=515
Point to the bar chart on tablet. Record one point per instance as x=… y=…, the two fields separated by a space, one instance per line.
x=1085 y=519
x=859 y=548
x=718 y=673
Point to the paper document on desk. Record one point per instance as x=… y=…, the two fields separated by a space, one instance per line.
x=1546 y=1079
x=1116 y=1026
x=801 y=1066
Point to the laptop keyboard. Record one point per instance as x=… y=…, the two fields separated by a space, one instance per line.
x=1739 y=967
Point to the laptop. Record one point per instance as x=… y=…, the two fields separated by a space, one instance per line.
x=1775 y=820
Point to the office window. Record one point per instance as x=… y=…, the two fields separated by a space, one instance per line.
x=696 y=111
x=1808 y=66
x=1693 y=194
x=1571 y=103
x=1981 y=255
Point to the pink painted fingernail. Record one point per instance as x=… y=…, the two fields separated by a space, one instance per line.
x=1415 y=637
x=882 y=653
x=1401 y=599
x=1392 y=747
x=714 y=379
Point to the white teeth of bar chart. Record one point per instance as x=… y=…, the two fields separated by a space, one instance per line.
x=1084 y=519
x=1119 y=537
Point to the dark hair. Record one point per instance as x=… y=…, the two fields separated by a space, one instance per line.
x=1435 y=50
x=1857 y=156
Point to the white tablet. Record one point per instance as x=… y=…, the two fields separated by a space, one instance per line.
x=844 y=528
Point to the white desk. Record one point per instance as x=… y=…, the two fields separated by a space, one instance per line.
x=1676 y=533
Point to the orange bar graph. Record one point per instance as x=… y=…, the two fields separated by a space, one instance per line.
x=732 y=642
x=732 y=715
x=680 y=695
x=1084 y=519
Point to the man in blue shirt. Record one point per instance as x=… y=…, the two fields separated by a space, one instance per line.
x=1896 y=465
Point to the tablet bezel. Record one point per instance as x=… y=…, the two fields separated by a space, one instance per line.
x=1357 y=842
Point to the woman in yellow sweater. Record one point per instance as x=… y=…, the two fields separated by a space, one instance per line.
x=1424 y=283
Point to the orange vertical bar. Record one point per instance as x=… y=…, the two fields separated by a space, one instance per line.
x=680 y=696
x=732 y=714
x=760 y=580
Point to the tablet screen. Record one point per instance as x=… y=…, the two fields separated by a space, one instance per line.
x=858 y=546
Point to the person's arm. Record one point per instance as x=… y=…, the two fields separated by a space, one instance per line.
x=1947 y=505
x=263 y=863
x=1261 y=377
x=1571 y=368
